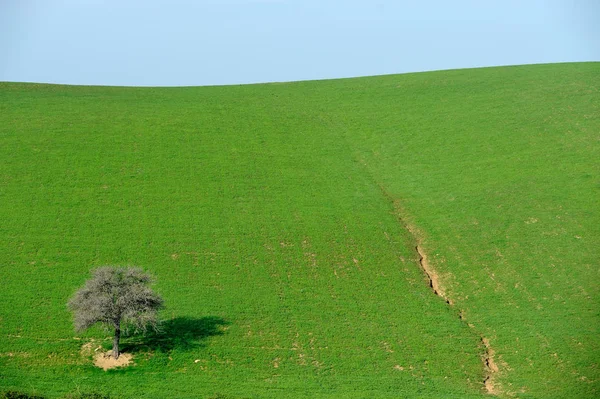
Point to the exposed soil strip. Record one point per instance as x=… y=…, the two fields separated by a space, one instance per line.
x=434 y=283
x=490 y=367
x=489 y=364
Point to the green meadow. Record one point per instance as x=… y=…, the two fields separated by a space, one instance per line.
x=281 y=223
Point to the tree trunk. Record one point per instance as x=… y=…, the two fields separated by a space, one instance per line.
x=116 y=340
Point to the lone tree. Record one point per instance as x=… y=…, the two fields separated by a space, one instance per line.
x=116 y=297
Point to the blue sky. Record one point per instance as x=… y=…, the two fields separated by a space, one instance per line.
x=213 y=42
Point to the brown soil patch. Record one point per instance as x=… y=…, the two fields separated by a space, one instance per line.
x=106 y=361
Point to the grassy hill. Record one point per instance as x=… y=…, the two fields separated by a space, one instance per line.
x=281 y=222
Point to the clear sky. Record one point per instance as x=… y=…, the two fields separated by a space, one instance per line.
x=213 y=42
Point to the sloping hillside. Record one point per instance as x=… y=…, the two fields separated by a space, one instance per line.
x=282 y=223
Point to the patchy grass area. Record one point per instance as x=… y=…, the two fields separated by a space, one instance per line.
x=281 y=222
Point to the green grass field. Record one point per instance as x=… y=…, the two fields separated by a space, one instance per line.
x=281 y=221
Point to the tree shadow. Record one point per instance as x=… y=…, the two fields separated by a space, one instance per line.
x=181 y=333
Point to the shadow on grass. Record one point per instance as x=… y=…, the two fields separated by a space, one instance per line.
x=181 y=333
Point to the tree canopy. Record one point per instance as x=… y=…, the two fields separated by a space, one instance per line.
x=116 y=297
